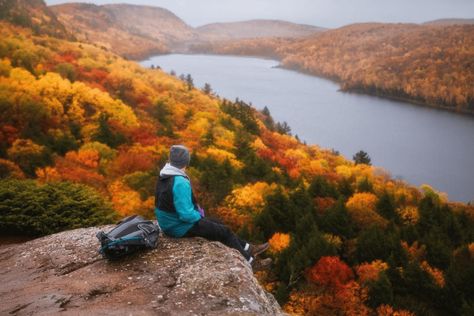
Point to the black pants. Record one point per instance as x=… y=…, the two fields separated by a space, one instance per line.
x=216 y=231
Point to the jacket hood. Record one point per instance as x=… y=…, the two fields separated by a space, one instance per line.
x=169 y=171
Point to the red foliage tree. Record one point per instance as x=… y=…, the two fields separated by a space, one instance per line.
x=145 y=134
x=131 y=161
x=95 y=77
x=331 y=273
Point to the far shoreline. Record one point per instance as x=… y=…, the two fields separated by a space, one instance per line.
x=382 y=95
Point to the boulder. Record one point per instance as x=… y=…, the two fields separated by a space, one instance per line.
x=63 y=273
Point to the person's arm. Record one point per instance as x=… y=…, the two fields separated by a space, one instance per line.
x=183 y=202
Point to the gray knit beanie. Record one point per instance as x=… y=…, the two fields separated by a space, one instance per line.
x=179 y=156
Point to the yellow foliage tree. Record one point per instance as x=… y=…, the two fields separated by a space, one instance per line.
x=361 y=207
x=223 y=138
x=409 y=214
x=334 y=240
x=344 y=171
x=222 y=155
x=250 y=198
x=315 y=167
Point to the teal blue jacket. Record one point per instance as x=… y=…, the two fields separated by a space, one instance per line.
x=177 y=224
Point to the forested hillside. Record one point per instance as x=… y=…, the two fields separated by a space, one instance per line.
x=255 y=29
x=262 y=47
x=33 y=14
x=427 y=64
x=128 y=30
x=84 y=132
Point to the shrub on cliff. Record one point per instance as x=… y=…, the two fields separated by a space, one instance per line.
x=33 y=209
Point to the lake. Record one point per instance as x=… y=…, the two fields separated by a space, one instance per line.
x=417 y=144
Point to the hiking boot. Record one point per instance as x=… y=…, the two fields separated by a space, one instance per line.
x=255 y=250
x=263 y=264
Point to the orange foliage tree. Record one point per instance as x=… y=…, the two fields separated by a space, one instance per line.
x=370 y=271
x=131 y=161
x=125 y=200
x=279 y=242
x=387 y=310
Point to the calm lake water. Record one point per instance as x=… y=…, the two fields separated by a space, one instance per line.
x=417 y=144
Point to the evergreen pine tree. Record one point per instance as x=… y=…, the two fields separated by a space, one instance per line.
x=320 y=187
x=361 y=157
x=380 y=291
x=337 y=221
x=105 y=135
x=387 y=208
x=207 y=89
x=274 y=216
x=365 y=186
x=189 y=82
x=268 y=119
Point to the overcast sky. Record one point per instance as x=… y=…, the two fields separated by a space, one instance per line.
x=326 y=13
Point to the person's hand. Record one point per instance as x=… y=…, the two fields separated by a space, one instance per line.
x=201 y=211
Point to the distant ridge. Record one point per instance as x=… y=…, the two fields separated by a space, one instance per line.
x=255 y=29
x=451 y=21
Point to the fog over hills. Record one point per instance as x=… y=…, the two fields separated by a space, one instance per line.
x=136 y=31
x=326 y=13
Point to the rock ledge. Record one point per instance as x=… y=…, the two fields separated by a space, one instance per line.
x=63 y=273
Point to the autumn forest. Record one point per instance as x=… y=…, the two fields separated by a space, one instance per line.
x=83 y=133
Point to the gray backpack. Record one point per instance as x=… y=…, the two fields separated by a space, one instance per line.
x=131 y=234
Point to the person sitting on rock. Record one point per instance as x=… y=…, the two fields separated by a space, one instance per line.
x=179 y=215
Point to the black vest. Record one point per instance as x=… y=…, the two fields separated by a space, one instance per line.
x=164 y=194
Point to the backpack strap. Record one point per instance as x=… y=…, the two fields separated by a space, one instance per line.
x=164 y=194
